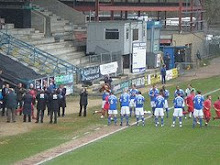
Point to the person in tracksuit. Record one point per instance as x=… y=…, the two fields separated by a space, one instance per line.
x=54 y=106
x=42 y=99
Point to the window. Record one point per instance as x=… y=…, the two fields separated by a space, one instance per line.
x=135 y=34
x=111 y=34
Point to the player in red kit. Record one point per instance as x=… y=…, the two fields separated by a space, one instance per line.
x=207 y=109
x=217 y=109
x=189 y=103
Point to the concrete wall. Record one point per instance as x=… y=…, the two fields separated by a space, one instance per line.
x=196 y=39
x=37 y=22
x=62 y=10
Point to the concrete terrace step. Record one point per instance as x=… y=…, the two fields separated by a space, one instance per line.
x=21 y=31
x=27 y=37
x=8 y=26
x=60 y=52
x=51 y=46
x=42 y=41
x=59 y=23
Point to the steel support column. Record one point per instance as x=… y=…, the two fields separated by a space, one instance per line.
x=112 y=12
x=191 y=15
x=97 y=10
x=180 y=15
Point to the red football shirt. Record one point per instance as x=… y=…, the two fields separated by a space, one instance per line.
x=207 y=104
x=189 y=101
x=217 y=104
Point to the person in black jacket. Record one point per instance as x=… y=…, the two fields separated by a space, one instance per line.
x=41 y=105
x=27 y=108
x=19 y=90
x=1 y=81
x=62 y=102
x=108 y=80
x=4 y=94
x=54 y=106
x=11 y=105
x=83 y=101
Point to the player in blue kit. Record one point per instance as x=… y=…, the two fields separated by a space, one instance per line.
x=125 y=100
x=139 y=112
x=198 y=108
x=180 y=91
x=153 y=94
x=166 y=95
x=159 y=103
x=178 y=109
x=133 y=92
x=112 y=112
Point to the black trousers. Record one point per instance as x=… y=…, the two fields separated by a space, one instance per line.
x=20 y=103
x=53 y=113
x=80 y=111
x=163 y=79
x=3 y=107
x=40 y=114
x=63 y=111
x=25 y=118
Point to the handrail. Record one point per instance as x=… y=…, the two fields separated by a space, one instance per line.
x=12 y=40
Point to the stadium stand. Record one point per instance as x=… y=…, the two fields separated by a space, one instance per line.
x=10 y=74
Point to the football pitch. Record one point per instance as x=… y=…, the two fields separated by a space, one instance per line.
x=156 y=145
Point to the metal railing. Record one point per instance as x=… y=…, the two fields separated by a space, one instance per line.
x=43 y=61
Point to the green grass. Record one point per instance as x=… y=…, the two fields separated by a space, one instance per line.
x=18 y=147
x=150 y=145
x=124 y=146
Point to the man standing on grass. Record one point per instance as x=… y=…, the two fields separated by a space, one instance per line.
x=103 y=110
x=153 y=94
x=178 y=110
x=217 y=109
x=180 y=91
x=139 y=101
x=159 y=102
x=198 y=106
x=11 y=105
x=189 y=103
x=133 y=93
x=42 y=99
x=166 y=95
x=207 y=109
x=125 y=100
x=163 y=72
x=112 y=112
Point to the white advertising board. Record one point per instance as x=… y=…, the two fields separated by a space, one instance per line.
x=109 y=68
x=139 y=57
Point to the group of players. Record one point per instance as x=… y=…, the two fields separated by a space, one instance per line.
x=132 y=100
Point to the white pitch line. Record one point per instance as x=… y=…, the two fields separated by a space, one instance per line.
x=103 y=136
x=75 y=137
x=97 y=129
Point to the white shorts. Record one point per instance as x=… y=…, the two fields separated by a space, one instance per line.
x=132 y=104
x=159 y=112
x=152 y=104
x=197 y=113
x=166 y=104
x=178 y=112
x=139 y=111
x=103 y=103
x=125 y=110
x=112 y=112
